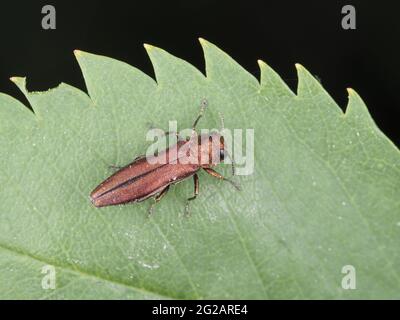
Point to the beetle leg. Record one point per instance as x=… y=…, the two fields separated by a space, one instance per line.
x=114 y=167
x=158 y=198
x=221 y=177
x=233 y=167
x=196 y=192
x=120 y=167
x=232 y=163
x=168 y=133
x=178 y=137
x=139 y=157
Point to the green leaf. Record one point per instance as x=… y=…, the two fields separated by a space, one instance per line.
x=324 y=193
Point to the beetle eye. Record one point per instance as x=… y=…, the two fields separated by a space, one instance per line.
x=221 y=154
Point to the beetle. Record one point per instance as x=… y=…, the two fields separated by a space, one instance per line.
x=150 y=177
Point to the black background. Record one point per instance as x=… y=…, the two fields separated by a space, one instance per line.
x=279 y=32
x=256 y=308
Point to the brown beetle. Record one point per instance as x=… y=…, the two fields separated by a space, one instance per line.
x=152 y=176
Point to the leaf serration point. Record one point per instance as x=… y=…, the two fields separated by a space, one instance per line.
x=148 y=47
x=351 y=91
x=18 y=80
x=261 y=63
x=203 y=42
x=299 y=67
x=14 y=78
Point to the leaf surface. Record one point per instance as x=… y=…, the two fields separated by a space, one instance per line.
x=324 y=193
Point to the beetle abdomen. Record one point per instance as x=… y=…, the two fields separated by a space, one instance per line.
x=124 y=187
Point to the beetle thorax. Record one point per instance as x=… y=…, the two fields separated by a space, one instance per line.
x=209 y=149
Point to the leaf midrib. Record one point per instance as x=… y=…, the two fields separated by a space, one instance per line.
x=80 y=272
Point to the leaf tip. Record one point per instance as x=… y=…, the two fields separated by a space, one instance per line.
x=148 y=47
x=351 y=92
x=80 y=53
x=270 y=79
x=77 y=53
x=203 y=42
x=299 y=67
x=353 y=97
x=20 y=82
x=152 y=51
x=13 y=79
x=261 y=64
x=356 y=109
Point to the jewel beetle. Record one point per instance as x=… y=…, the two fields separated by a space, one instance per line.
x=152 y=176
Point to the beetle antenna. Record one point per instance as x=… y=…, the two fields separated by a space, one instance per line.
x=221 y=116
x=232 y=162
x=226 y=152
x=203 y=106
